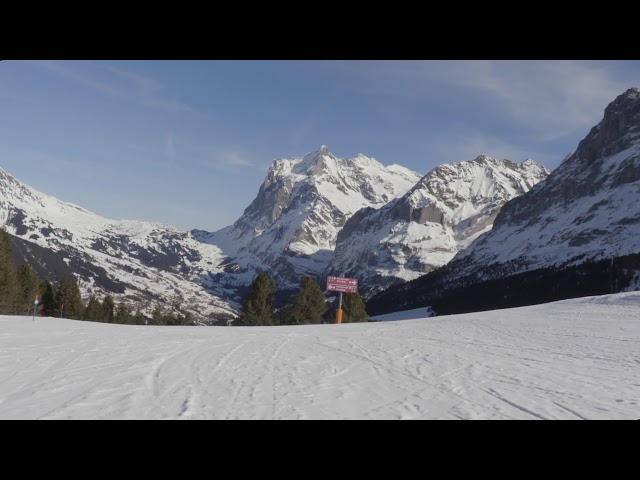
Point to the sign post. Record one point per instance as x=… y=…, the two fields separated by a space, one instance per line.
x=35 y=308
x=340 y=284
x=339 y=311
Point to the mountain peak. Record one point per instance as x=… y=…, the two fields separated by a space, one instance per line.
x=481 y=159
x=291 y=227
x=322 y=150
x=531 y=163
x=585 y=210
x=315 y=157
x=624 y=101
x=612 y=134
x=15 y=190
x=632 y=93
x=5 y=174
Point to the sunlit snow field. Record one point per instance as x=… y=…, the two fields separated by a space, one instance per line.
x=576 y=359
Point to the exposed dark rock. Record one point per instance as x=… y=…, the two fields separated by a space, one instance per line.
x=17 y=220
x=51 y=265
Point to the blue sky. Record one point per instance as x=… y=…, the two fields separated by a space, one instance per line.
x=188 y=142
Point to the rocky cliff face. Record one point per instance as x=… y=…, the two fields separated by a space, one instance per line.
x=587 y=208
x=291 y=228
x=443 y=213
x=576 y=233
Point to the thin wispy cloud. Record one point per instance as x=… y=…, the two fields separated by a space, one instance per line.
x=149 y=91
x=139 y=81
x=227 y=159
x=233 y=159
x=551 y=98
x=63 y=71
x=137 y=89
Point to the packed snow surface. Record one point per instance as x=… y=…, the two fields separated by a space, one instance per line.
x=576 y=359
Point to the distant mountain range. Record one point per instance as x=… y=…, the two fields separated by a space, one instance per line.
x=472 y=226
x=291 y=228
x=423 y=230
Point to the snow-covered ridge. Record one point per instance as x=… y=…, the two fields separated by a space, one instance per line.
x=16 y=194
x=146 y=263
x=447 y=209
x=587 y=209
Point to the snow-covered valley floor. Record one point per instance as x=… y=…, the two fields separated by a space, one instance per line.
x=567 y=360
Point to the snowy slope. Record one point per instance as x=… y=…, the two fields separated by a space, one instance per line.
x=449 y=208
x=290 y=229
x=577 y=359
x=146 y=263
x=587 y=209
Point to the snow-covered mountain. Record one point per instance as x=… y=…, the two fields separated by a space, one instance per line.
x=577 y=233
x=146 y=263
x=588 y=208
x=291 y=228
x=448 y=208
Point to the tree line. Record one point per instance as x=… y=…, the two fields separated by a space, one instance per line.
x=307 y=306
x=20 y=285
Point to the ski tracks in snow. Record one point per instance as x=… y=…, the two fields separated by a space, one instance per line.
x=569 y=360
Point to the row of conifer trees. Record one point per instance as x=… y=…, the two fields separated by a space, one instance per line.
x=19 y=287
x=307 y=306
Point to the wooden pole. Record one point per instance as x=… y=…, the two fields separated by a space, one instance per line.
x=339 y=310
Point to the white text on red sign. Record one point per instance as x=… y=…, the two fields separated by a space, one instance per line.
x=339 y=284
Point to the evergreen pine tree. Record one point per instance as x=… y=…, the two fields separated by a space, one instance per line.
x=353 y=308
x=108 y=309
x=306 y=306
x=47 y=307
x=94 y=311
x=258 y=306
x=123 y=314
x=27 y=288
x=139 y=318
x=158 y=316
x=187 y=319
x=8 y=281
x=68 y=294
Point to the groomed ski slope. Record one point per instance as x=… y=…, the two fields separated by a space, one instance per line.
x=576 y=359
